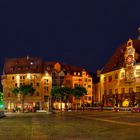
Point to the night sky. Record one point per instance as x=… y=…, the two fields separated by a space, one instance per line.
x=75 y=32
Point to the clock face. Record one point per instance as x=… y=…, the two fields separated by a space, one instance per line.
x=129 y=59
x=129 y=50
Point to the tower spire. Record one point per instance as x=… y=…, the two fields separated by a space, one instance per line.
x=139 y=33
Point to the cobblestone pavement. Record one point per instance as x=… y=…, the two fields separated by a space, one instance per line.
x=71 y=126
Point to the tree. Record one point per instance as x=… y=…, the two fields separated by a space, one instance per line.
x=61 y=94
x=78 y=92
x=1 y=100
x=22 y=91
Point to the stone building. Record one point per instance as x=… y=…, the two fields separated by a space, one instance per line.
x=42 y=76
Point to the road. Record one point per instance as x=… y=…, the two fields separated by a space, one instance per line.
x=71 y=126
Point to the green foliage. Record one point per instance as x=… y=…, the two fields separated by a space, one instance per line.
x=15 y=90
x=79 y=91
x=1 y=96
x=27 y=89
x=24 y=90
x=60 y=93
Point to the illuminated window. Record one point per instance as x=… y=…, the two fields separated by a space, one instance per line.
x=74 y=73
x=122 y=75
x=138 y=72
x=138 y=89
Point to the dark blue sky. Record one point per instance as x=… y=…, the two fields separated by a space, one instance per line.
x=75 y=32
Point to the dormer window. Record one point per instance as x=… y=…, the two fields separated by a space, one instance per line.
x=78 y=73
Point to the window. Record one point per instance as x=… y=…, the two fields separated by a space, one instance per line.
x=105 y=79
x=116 y=91
x=80 y=79
x=31 y=84
x=15 y=84
x=110 y=91
x=13 y=77
x=37 y=84
x=89 y=98
x=137 y=72
x=130 y=90
x=79 y=73
x=37 y=94
x=105 y=92
x=116 y=76
x=20 y=84
x=23 y=77
x=122 y=75
x=89 y=80
x=109 y=78
x=85 y=97
x=89 y=86
x=138 y=89
x=85 y=79
x=8 y=94
x=75 y=85
x=74 y=73
x=47 y=88
x=122 y=90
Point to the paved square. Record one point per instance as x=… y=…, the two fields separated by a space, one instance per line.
x=71 y=126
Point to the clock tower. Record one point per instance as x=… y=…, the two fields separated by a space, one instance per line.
x=129 y=61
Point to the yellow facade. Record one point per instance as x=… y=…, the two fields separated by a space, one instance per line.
x=42 y=84
x=16 y=73
x=121 y=87
x=84 y=80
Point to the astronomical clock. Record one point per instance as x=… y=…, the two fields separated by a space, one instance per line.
x=129 y=61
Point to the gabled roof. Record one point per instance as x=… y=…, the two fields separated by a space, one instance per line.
x=117 y=60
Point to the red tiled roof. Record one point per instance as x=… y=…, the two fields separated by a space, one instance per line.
x=35 y=65
x=117 y=60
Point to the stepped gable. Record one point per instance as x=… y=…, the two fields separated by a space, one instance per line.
x=117 y=60
x=23 y=65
